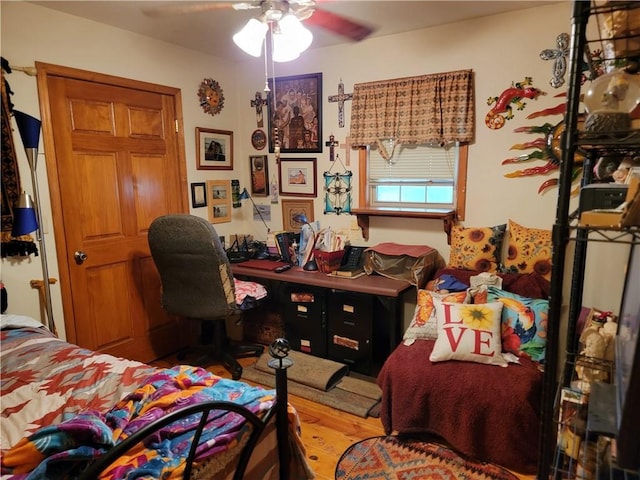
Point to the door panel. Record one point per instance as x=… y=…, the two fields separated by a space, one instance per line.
x=118 y=163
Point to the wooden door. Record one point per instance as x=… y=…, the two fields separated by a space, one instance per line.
x=115 y=161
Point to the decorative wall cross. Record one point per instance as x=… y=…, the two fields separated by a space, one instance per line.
x=341 y=97
x=559 y=57
x=257 y=103
x=332 y=144
x=347 y=148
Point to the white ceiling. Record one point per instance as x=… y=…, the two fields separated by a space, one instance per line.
x=210 y=31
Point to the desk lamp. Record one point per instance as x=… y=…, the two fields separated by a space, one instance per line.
x=311 y=265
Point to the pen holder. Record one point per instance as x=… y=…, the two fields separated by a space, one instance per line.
x=328 y=261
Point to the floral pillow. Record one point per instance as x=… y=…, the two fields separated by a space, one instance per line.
x=469 y=332
x=524 y=323
x=476 y=248
x=529 y=250
x=423 y=324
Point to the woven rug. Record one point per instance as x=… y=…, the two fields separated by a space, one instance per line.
x=392 y=458
x=352 y=395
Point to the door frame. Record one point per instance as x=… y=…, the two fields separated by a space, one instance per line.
x=44 y=71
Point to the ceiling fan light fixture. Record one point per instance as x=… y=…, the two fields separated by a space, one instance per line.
x=251 y=37
x=290 y=39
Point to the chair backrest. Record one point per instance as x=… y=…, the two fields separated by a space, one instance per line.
x=196 y=276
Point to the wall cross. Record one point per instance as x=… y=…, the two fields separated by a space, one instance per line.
x=341 y=97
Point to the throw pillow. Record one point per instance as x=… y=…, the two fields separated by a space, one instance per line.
x=524 y=323
x=468 y=332
x=423 y=324
x=529 y=250
x=476 y=248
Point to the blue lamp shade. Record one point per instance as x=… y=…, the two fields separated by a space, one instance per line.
x=243 y=195
x=29 y=128
x=24 y=216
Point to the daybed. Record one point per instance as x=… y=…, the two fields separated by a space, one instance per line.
x=66 y=409
x=481 y=410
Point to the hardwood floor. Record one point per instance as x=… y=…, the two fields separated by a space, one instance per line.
x=326 y=432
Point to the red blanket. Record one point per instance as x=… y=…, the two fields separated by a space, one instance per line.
x=484 y=411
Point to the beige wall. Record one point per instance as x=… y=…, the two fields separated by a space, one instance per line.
x=499 y=49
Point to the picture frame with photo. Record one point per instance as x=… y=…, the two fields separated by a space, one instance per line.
x=295 y=108
x=259 y=168
x=219 y=200
x=291 y=208
x=214 y=149
x=198 y=194
x=298 y=177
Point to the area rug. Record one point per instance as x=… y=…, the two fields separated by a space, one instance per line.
x=395 y=458
x=315 y=372
x=351 y=395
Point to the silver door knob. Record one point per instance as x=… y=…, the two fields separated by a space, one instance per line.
x=80 y=257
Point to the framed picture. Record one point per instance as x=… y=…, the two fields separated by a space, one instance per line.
x=259 y=175
x=258 y=139
x=219 y=200
x=297 y=177
x=291 y=208
x=214 y=149
x=198 y=195
x=295 y=108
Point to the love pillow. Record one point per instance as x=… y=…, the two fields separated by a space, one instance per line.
x=468 y=332
x=423 y=324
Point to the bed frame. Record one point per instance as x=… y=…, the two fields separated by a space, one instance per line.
x=278 y=414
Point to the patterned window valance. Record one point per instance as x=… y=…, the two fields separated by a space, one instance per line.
x=436 y=108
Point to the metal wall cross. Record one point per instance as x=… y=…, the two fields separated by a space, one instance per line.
x=341 y=97
x=257 y=103
x=559 y=57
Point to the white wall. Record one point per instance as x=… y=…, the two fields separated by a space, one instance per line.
x=500 y=50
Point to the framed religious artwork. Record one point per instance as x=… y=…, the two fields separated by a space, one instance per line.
x=198 y=195
x=259 y=175
x=291 y=208
x=295 y=109
x=219 y=200
x=258 y=139
x=214 y=149
x=297 y=177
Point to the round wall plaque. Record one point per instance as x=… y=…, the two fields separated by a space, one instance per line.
x=258 y=139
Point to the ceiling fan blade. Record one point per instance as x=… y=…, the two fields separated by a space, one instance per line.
x=179 y=8
x=338 y=24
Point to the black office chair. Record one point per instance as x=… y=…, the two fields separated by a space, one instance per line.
x=197 y=283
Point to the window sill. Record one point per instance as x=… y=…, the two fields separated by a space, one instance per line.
x=363 y=214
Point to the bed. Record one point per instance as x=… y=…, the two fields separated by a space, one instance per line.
x=483 y=410
x=68 y=412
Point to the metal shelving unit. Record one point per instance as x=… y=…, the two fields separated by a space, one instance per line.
x=562 y=462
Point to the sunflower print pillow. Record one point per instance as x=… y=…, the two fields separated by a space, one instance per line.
x=477 y=248
x=423 y=324
x=529 y=250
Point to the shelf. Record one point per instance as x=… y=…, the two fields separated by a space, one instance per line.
x=363 y=214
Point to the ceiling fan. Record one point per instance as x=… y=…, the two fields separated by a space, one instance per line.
x=273 y=10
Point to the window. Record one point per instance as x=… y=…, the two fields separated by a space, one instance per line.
x=419 y=178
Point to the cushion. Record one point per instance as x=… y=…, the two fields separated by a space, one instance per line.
x=423 y=324
x=524 y=323
x=529 y=250
x=469 y=332
x=477 y=248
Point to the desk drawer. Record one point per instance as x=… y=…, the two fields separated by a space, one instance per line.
x=305 y=320
x=350 y=332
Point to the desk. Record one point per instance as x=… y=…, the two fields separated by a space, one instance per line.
x=384 y=323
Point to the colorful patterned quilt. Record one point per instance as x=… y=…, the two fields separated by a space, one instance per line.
x=70 y=417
